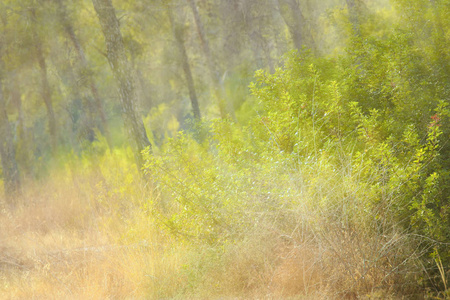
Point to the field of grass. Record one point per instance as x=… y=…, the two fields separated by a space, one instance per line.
x=90 y=231
x=71 y=236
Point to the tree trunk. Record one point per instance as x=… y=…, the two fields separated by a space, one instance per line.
x=11 y=176
x=45 y=86
x=225 y=106
x=23 y=146
x=295 y=20
x=178 y=34
x=10 y=170
x=123 y=74
x=98 y=104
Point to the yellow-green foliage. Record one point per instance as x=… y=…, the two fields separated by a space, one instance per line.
x=334 y=184
x=319 y=159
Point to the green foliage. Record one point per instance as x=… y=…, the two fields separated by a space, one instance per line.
x=351 y=147
x=360 y=139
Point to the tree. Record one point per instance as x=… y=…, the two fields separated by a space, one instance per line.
x=247 y=23
x=91 y=109
x=225 y=106
x=10 y=170
x=45 y=85
x=123 y=74
x=178 y=34
x=9 y=65
x=295 y=20
x=24 y=144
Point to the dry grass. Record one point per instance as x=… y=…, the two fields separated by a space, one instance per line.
x=61 y=241
x=90 y=236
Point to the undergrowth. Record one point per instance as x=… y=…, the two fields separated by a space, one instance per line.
x=334 y=184
x=313 y=197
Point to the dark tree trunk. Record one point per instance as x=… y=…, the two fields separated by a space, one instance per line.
x=296 y=22
x=177 y=30
x=225 y=106
x=97 y=106
x=10 y=170
x=123 y=74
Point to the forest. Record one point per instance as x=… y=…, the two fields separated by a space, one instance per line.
x=225 y=149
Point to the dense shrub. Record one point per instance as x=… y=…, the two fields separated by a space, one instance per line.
x=341 y=154
x=344 y=157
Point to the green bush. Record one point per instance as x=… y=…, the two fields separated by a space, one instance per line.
x=351 y=148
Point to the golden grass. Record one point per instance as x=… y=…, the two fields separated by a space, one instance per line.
x=64 y=240
x=88 y=234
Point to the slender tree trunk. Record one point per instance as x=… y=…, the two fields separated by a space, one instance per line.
x=225 y=106
x=178 y=34
x=10 y=170
x=83 y=127
x=45 y=86
x=11 y=176
x=10 y=153
x=123 y=74
x=88 y=112
x=23 y=146
x=98 y=104
x=47 y=96
x=296 y=22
